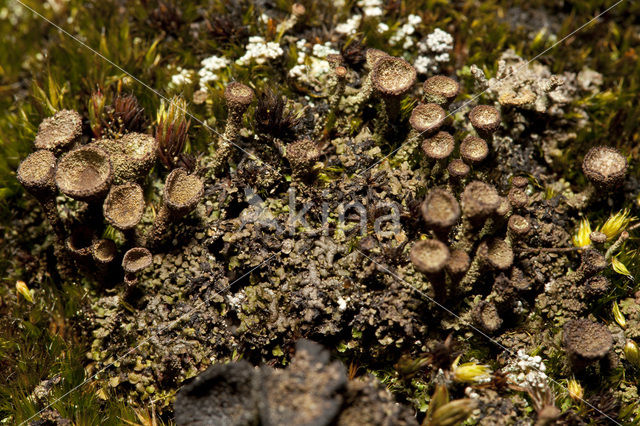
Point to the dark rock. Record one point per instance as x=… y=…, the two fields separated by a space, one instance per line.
x=307 y=393
x=222 y=395
x=368 y=403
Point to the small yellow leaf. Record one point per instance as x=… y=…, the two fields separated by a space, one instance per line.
x=582 y=238
x=615 y=224
x=102 y=394
x=576 y=392
x=470 y=372
x=617 y=315
x=632 y=353
x=620 y=268
x=23 y=290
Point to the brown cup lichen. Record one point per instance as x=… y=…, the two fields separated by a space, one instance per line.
x=37 y=174
x=485 y=315
x=518 y=198
x=439 y=146
x=519 y=182
x=441 y=90
x=518 y=227
x=440 y=210
x=372 y=56
x=134 y=261
x=497 y=253
x=605 y=167
x=103 y=252
x=238 y=97
x=182 y=192
x=59 y=132
x=84 y=174
x=479 y=200
x=592 y=262
x=430 y=258
x=124 y=206
x=596 y=286
x=586 y=342
x=458 y=263
x=427 y=118
x=392 y=78
x=473 y=149
x=132 y=156
x=485 y=120
x=79 y=243
x=302 y=155
x=458 y=169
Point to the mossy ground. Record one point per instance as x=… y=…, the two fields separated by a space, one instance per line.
x=43 y=70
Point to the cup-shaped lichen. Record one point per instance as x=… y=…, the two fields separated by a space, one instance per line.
x=238 y=97
x=486 y=316
x=439 y=146
x=103 y=251
x=458 y=170
x=59 y=132
x=497 y=253
x=430 y=257
x=80 y=242
x=124 y=206
x=302 y=155
x=134 y=261
x=441 y=90
x=473 y=149
x=586 y=342
x=427 y=118
x=592 y=262
x=440 y=210
x=596 y=286
x=518 y=227
x=518 y=198
x=393 y=78
x=37 y=174
x=372 y=56
x=84 y=174
x=182 y=192
x=458 y=263
x=479 y=200
x=485 y=120
x=132 y=156
x=605 y=167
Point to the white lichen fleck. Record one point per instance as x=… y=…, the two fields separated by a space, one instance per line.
x=527 y=371
x=349 y=27
x=434 y=51
x=259 y=51
x=210 y=70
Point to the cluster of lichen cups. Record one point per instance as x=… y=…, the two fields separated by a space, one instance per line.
x=474 y=223
x=472 y=229
x=106 y=175
x=588 y=342
x=474 y=237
